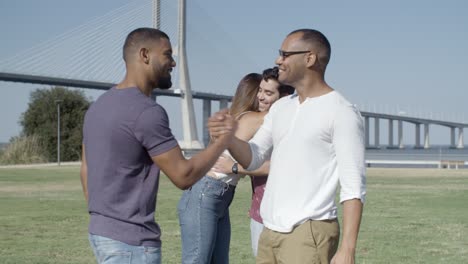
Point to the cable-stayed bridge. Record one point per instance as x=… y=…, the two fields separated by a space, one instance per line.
x=89 y=56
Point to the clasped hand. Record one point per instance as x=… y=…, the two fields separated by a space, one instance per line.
x=222 y=126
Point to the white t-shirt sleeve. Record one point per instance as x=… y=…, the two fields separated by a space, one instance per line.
x=261 y=144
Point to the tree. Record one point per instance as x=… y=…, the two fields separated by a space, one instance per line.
x=40 y=119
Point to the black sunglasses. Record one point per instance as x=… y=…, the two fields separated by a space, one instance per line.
x=286 y=54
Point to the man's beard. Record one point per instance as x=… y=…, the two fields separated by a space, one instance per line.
x=165 y=83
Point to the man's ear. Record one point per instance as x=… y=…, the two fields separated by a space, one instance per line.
x=144 y=55
x=311 y=59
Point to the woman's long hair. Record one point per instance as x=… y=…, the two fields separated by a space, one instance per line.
x=245 y=98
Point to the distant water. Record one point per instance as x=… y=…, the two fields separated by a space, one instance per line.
x=410 y=153
x=435 y=153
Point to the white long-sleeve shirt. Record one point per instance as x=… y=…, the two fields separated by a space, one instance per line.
x=316 y=145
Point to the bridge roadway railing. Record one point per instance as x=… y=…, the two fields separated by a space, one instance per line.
x=206 y=97
x=417 y=122
x=225 y=99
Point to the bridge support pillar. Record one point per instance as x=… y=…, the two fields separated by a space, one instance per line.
x=417 y=136
x=460 y=144
x=452 y=137
x=377 y=132
x=157 y=14
x=366 y=127
x=223 y=103
x=190 y=141
x=426 y=136
x=390 y=133
x=206 y=115
x=400 y=134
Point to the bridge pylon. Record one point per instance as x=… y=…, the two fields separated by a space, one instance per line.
x=189 y=127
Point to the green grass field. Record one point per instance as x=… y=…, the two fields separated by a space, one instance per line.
x=411 y=216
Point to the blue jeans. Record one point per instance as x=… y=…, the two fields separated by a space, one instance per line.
x=204 y=221
x=109 y=251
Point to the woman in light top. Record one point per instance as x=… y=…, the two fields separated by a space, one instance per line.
x=204 y=208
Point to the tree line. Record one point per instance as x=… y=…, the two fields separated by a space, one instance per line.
x=38 y=140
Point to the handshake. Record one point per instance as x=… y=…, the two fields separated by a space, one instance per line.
x=222 y=127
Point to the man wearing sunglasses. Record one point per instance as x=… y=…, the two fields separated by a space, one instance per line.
x=317 y=141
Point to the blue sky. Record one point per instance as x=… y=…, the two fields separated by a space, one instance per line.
x=387 y=56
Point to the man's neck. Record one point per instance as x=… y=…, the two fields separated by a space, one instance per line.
x=312 y=88
x=129 y=81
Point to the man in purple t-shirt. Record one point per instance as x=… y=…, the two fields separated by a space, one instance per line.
x=126 y=142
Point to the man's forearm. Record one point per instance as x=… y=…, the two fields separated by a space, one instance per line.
x=260 y=172
x=84 y=173
x=240 y=151
x=204 y=161
x=352 y=212
x=84 y=181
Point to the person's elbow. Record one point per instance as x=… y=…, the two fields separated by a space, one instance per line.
x=183 y=178
x=183 y=185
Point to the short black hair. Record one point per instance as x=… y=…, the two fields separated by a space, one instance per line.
x=319 y=42
x=272 y=73
x=138 y=36
x=285 y=89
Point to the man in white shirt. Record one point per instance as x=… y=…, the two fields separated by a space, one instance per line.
x=317 y=142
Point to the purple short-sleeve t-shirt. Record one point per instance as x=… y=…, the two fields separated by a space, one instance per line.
x=122 y=130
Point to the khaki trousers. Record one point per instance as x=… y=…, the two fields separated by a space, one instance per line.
x=313 y=242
